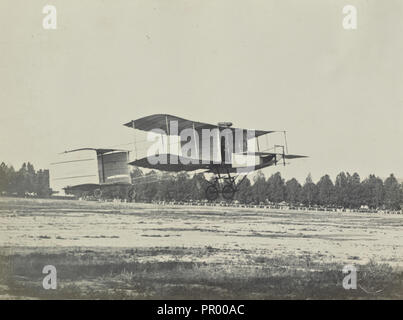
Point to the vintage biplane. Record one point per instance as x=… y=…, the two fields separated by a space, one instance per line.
x=226 y=152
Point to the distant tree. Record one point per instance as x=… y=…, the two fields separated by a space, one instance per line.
x=21 y=179
x=30 y=179
x=166 y=187
x=341 y=190
x=259 y=188
x=326 y=192
x=309 y=193
x=183 y=189
x=42 y=188
x=4 y=179
x=354 y=190
x=401 y=194
x=245 y=193
x=293 y=191
x=373 y=193
x=149 y=186
x=198 y=185
x=393 y=194
x=276 y=188
x=12 y=181
x=137 y=179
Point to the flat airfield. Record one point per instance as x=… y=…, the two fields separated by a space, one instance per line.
x=141 y=251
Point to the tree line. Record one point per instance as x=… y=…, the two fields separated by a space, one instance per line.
x=24 y=181
x=347 y=191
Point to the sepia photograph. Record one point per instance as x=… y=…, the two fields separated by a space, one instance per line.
x=201 y=151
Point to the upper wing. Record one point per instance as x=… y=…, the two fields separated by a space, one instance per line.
x=162 y=121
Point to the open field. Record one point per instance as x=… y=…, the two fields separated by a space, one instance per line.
x=139 y=251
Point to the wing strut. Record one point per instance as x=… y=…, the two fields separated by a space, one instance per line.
x=285 y=141
x=168 y=135
x=196 y=141
x=135 y=142
x=279 y=146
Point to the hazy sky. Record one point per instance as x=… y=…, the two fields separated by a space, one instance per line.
x=284 y=65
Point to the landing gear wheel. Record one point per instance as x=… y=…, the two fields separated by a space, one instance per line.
x=131 y=194
x=228 y=192
x=211 y=193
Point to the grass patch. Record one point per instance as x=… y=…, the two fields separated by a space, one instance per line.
x=124 y=274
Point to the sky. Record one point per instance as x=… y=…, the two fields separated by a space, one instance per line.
x=271 y=65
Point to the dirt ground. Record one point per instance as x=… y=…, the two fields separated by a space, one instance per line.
x=142 y=251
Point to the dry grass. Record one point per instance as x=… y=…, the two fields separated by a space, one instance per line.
x=122 y=274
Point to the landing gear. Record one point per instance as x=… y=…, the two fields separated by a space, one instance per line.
x=228 y=192
x=212 y=193
x=131 y=194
